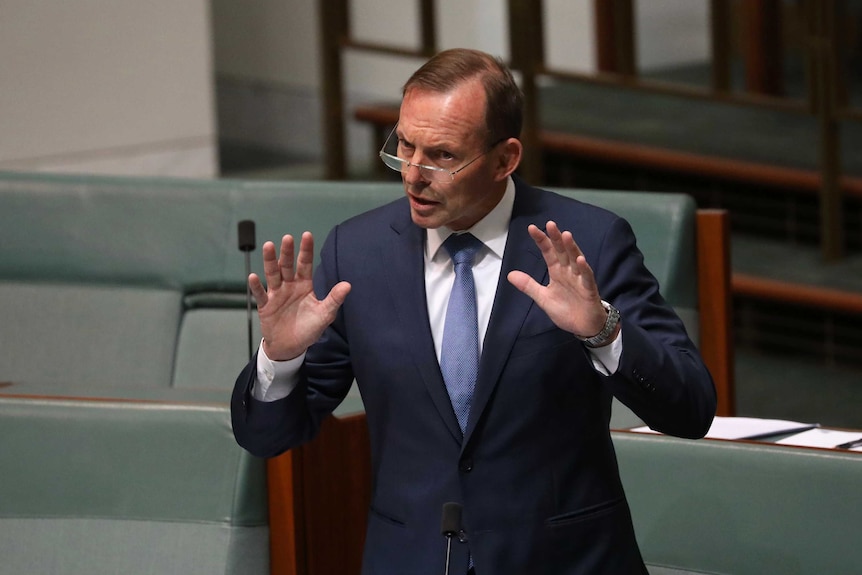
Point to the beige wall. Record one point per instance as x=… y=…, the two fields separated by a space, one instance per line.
x=112 y=86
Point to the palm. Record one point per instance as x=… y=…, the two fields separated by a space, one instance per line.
x=291 y=316
x=571 y=298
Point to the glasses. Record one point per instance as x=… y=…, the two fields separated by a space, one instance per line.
x=429 y=173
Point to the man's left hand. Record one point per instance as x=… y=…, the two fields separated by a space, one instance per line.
x=571 y=299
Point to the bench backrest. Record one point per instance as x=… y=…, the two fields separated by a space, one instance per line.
x=740 y=508
x=144 y=487
x=138 y=282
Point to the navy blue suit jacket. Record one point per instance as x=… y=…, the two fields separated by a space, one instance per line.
x=535 y=469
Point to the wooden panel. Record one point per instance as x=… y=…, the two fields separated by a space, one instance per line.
x=715 y=303
x=286 y=530
x=319 y=498
x=337 y=494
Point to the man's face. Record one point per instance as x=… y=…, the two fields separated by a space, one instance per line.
x=447 y=130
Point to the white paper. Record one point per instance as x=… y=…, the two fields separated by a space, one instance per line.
x=747 y=427
x=822 y=438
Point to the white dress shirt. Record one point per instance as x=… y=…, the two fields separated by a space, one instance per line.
x=276 y=379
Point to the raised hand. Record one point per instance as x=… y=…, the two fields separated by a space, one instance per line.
x=291 y=316
x=571 y=299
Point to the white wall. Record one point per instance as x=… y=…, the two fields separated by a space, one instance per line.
x=127 y=87
x=107 y=86
x=671 y=32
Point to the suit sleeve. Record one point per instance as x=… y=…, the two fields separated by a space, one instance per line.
x=661 y=375
x=269 y=428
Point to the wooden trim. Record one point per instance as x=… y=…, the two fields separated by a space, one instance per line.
x=428 y=23
x=614 y=28
x=334 y=30
x=715 y=304
x=763 y=49
x=287 y=553
x=336 y=478
x=319 y=496
x=693 y=164
x=606 y=57
x=624 y=37
x=798 y=294
x=528 y=57
x=721 y=45
x=380 y=114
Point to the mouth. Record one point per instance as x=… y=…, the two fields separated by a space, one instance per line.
x=420 y=202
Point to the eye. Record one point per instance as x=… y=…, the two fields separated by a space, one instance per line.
x=445 y=156
x=405 y=147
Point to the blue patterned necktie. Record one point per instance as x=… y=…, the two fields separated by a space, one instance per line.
x=459 y=358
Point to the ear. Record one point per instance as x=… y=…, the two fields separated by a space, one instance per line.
x=507 y=157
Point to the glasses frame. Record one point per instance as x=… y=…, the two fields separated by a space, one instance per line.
x=401 y=165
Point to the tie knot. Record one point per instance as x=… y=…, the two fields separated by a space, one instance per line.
x=462 y=248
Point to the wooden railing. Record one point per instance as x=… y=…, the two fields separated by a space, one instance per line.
x=758 y=22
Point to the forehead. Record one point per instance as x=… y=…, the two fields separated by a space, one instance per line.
x=454 y=117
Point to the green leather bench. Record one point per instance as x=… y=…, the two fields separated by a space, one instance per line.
x=139 y=282
x=742 y=508
x=139 y=487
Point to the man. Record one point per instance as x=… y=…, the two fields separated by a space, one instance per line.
x=521 y=440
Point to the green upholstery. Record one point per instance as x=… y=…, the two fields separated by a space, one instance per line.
x=201 y=363
x=138 y=282
x=96 y=334
x=91 y=487
x=740 y=508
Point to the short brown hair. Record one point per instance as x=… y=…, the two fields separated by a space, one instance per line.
x=504 y=112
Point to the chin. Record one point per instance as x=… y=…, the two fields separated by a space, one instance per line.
x=426 y=223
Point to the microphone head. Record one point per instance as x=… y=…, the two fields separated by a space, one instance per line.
x=245 y=233
x=451 y=522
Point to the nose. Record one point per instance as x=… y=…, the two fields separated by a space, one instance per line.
x=413 y=175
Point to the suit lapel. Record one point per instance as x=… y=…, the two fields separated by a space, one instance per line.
x=405 y=269
x=510 y=305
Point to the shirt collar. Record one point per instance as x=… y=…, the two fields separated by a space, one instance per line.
x=492 y=230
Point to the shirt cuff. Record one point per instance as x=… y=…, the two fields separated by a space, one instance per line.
x=606 y=359
x=275 y=379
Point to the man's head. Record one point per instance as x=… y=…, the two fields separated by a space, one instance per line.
x=461 y=112
x=504 y=111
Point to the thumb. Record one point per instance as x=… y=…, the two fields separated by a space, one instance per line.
x=524 y=283
x=336 y=297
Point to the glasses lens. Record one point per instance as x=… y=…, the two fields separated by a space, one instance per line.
x=392 y=162
x=428 y=173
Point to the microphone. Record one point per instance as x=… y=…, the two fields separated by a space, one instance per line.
x=450 y=525
x=245 y=234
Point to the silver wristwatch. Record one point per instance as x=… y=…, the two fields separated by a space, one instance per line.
x=604 y=336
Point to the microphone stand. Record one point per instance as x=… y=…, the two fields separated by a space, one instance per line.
x=248 y=302
x=450 y=525
x=245 y=235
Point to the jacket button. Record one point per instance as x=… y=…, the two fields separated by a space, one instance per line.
x=463 y=537
x=466 y=465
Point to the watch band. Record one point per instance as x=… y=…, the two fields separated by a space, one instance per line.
x=604 y=336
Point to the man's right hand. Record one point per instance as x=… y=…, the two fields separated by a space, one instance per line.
x=291 y=316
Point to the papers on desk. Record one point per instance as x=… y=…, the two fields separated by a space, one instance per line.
x=828 y=438
x=748 y=427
